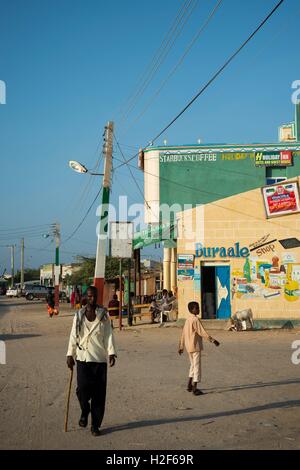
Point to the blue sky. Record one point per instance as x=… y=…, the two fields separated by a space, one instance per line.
x=71 y=65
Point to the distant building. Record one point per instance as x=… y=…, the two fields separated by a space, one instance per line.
x=47 y=272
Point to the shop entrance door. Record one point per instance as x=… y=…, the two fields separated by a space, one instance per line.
x=208 y=291
x=215 y=292
x=223 y=292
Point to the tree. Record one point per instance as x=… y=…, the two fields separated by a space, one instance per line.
x=29 y=275
x=112 y=267
x=86 y=272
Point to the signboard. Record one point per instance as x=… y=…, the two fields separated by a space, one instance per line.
x=185 y=270
x=287 y=132
x=235 y=251
x=56 y=274
x=289 y=243
x=281 y=199
x=121 y=235
x=280 y=158
x=177 y=157
x=289 y=258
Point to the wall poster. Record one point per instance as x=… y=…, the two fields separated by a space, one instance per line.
x=281 y=199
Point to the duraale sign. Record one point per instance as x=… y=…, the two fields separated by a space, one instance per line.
x=231 y=252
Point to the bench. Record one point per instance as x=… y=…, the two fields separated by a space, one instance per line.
x=141 y=314
x=170 y=314
x=135 y=315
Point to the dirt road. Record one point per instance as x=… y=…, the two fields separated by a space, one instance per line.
x=251 y=401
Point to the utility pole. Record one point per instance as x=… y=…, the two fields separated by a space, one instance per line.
x=121 y=295
x=12 y=259
x=138 y=254
x=129 y=308
x=22 y=263
x=160 y=275
x=103 y=230
x=57 y=266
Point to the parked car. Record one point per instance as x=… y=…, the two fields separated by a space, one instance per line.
x=13 y=292
x=36 y=292
x=62 y=295
x=26 y=288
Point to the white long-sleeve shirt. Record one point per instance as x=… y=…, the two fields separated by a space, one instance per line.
x=95 y=340
x=192 y=335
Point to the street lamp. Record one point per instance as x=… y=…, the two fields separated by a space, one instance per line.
x=102 y=236
x=79 y=168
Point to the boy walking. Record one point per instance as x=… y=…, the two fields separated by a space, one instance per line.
x=191 y=339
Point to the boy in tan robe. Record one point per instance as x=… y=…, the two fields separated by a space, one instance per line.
x=191 y=339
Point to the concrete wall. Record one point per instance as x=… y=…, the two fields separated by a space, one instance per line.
x=242 y=219
x=151 y=186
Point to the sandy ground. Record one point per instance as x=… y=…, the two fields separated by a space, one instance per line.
x=251 y=401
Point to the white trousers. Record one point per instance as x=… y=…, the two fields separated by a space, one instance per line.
x=195 y=369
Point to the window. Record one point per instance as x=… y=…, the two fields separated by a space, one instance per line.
x=275 y=174
x=275 y=180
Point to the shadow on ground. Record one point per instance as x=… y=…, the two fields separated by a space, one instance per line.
x=232 y=388
x=158 y=422
x=19 y=304
x=12 y=336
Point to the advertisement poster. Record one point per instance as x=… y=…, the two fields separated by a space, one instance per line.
x=197 y=278
x=185 y=270
x=283 y=158
x=281 y=199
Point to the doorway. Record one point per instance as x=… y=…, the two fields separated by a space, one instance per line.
x=215 y=290
x=208 y=290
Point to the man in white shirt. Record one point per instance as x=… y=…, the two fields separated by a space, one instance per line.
x=91 y=341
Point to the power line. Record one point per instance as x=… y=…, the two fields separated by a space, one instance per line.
x=134 y=147
x=211 y=80
x=177 y=183
x=121 y=185
x=222 y=196
x=25 y=228
x=26 y=232
x=134 y=179
x=92 y=180
x=126 y=162
x=18 y=237
x=163 y=56
x=87 y=213
x=150 y=69
x=171 y=73
x=132 y=175
x=188 y=105
x=87 y=185
x=219 y=71
x=31 y=248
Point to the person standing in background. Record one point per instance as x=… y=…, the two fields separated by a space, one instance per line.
x=77 y=299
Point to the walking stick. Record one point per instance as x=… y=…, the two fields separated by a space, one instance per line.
x=68 y=401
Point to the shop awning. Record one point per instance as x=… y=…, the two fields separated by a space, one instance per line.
x=154 y=234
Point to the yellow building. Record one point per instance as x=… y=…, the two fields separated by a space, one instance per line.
x=243 y=252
